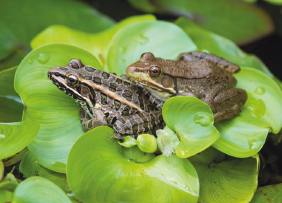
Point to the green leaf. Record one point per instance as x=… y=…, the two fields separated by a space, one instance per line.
x=39 y=190
x=96 y=43
x=9 y=183
x=167 y=141
x=244 y=135
x=251 y=22
x=14 y=137
x=22 y=20
x=269 y=193
x=99 y=171
x=223 y=47
x=163 y=39
x=128 y=142
x=192 y=120
x=30 y=167
x=230 y=180
x=5 y=196
x=11 y=107
x=56 y=112
x=143 y=5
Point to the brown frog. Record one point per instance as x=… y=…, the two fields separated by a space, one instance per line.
x=198 y=74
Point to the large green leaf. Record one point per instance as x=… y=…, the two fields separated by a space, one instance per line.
x=5 y=196
x=228 y=180
x=30 y=167
x=22 y=20
x=56 y=112
x=1 y=170
x=192 y=120
x=221 y=46
x=163 y=39
x=97 y=43
x=39 y=190
x=244 y=135
x=16 y=136
x=101 y=170
x=232 y=19
x=269 y=193
x=11 y=107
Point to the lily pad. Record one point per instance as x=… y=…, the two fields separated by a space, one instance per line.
x=229 y=180
x=11 y=107
x=39 y=190
x=95 y=43
x=244 y=135
x=192 y=120
x=9 y=183
x=221 y=46
x=133 y=40
x=15 y=158
x=14 y=137
x=269 y=193
x=22 y=20
x=251 y=22
x=98 y=166
x=56 y=112
x=1 y=170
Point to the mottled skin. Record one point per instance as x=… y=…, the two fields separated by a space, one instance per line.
x=106 y=99
x=210 y=80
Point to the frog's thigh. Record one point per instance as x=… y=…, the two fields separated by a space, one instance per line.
x=89 y=123
x=228 y=103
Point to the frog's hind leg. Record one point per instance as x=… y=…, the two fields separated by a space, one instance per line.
x=221 y=62
x=228 y=104
x=89 y=123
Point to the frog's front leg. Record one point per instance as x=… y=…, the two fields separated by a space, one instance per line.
x=90 y=122
x=138 y=123
x=221 y=62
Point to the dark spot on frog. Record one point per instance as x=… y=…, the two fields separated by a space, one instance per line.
x=117 y=104
x=63 y=68
x=126 y=83
x=74 y=65
x=118 y=81
x=114 y=120
x=126 y=110
x=127 y=95
x=105 y=75
x=113 y=87
x=107 y=115
x=97 y=80
x=103 y=98
x=89 y=124
x=89 y=69
x=87 y=77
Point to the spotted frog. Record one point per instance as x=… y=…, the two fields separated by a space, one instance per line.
x=106 y=99
x=197 y=74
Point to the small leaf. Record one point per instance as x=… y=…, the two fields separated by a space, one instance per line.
x=192 y=120
x=56 y=112
x=167 y=141
x=128 y=142
x=147 y=143
x=133 y=40
x=14 y=137
x=98 y=166
x=244 y=135
x=38 y=189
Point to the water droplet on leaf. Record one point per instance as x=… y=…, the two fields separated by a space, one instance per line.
x=203 y=119
x=260 y=90
x=43 y=58
x=30 y=61
x=2 y=136
x=142 y=39
x=256 y=106
x=254 y=144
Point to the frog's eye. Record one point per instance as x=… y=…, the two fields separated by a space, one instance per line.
x=72 y=79
x=155 y=71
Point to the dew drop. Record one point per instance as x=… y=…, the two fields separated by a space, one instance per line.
x=254 y=144
x=30 y=61
x=142 y=39
x=43 y=58
x=70 y=194
x=203 y=119
x=2 y=136
x=260 y=90
x=256 y=106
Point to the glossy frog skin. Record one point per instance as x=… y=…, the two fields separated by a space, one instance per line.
x=198 y=74
x=106 y=99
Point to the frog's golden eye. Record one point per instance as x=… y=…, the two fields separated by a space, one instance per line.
x=72 y=79
x=155 y=71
